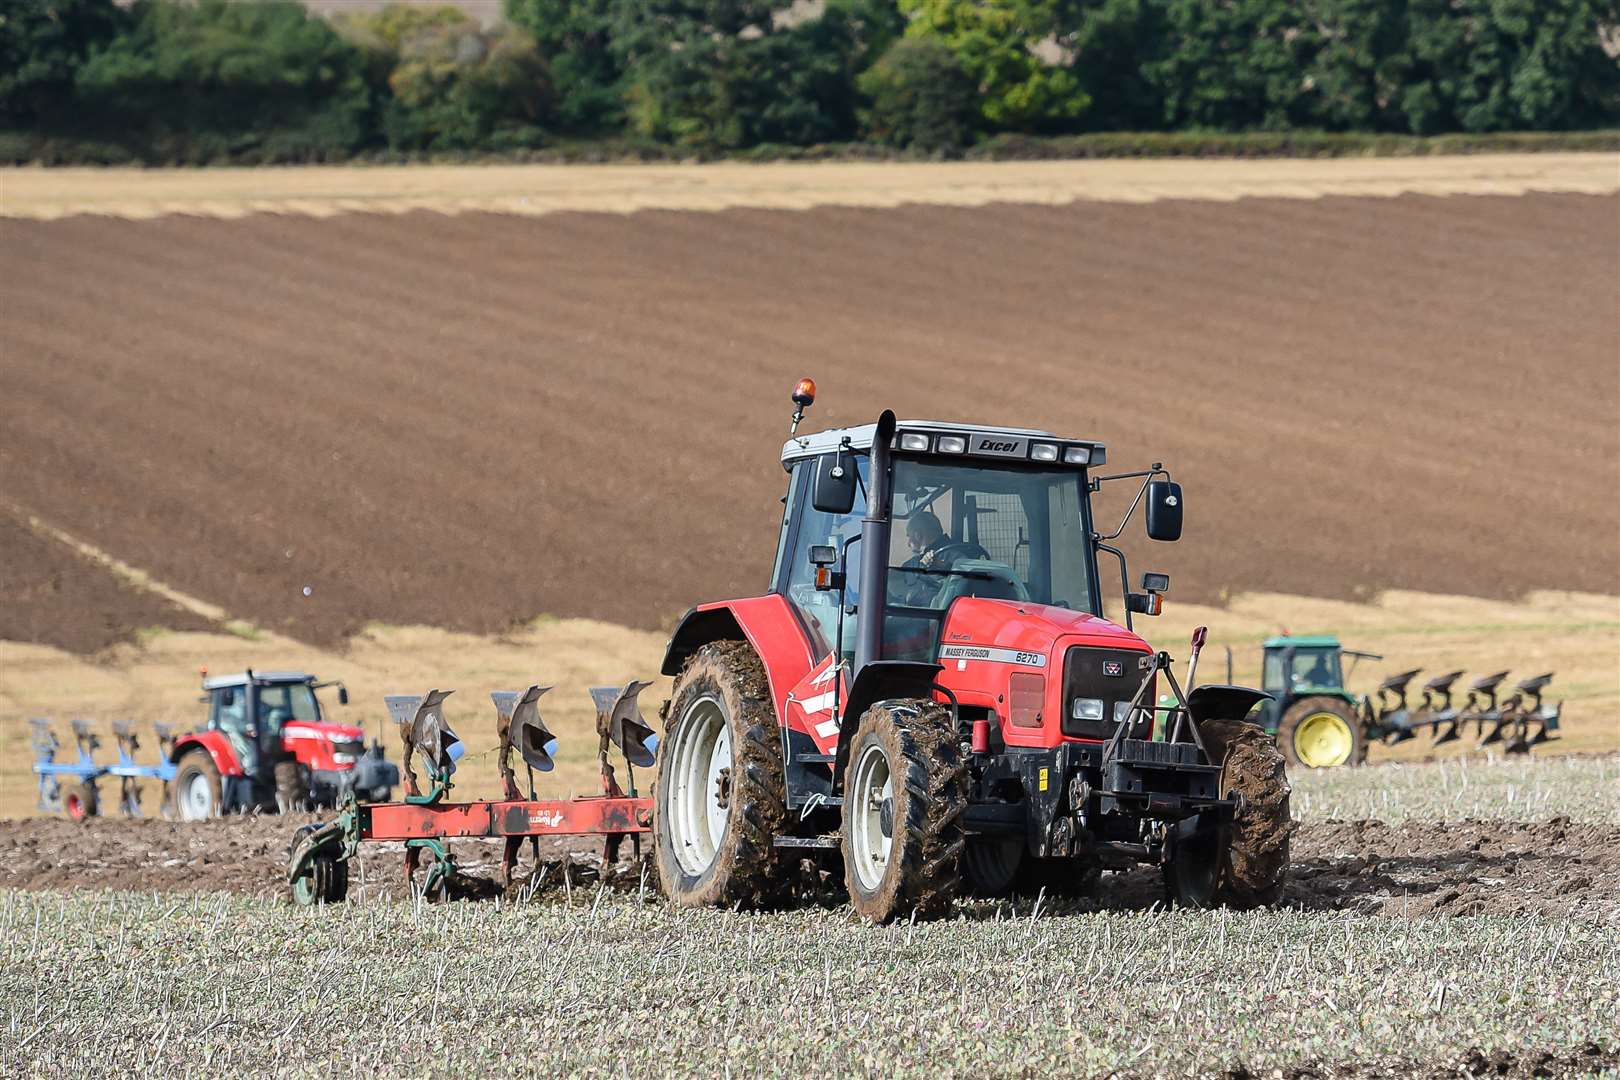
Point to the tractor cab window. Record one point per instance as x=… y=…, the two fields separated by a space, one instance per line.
x=1308 y=667
x=282 y=702
x=999 y=532
x=819 y=608
x=1315 y=667
x=227 y=709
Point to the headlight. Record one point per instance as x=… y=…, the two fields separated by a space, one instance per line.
x=344 y=759
x=1077 y=455
x=952 y=444
x=1043 y=452
x=913 y=441
x=1088 y=708
x=1122 y=709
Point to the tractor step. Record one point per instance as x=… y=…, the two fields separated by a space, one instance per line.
x=805 y=841
x=814 y=759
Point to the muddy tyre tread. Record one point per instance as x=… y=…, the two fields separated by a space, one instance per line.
x=748 y=870
x=925 y=872
x=1255 y=863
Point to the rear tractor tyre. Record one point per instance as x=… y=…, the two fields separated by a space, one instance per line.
x=80 y=801
x=905 y=790
x=197 y=788
x=1321 y=733
x=1244 y=863
x=719 y=797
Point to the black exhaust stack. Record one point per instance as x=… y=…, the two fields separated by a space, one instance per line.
x=875 y=548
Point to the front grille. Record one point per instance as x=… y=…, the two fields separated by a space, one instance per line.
x=1086 y=675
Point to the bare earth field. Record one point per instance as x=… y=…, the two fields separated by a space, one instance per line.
x=468 y=421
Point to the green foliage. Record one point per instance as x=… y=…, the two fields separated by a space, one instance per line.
x=42 y=45
x=575 y=41
x=718 y=74
x=260 y=76
x=449 y=84
x=920 y=97
x=995 y=42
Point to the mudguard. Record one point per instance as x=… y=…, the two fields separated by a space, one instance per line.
x=768 y=623
x=218 y=747
x=1219 y=702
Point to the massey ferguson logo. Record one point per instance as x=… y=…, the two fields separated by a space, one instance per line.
x=991 y=446
x=1114 y=668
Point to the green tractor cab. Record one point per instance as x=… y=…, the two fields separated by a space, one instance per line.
x=1314 y=718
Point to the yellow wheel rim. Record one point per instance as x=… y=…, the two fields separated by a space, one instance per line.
x=1323 y=740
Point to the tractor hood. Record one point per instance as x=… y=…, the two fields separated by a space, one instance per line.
x=311 y=729
x=1032 y=628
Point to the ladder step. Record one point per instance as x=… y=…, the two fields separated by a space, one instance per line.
x=805 y=841
x=814 y=759
x=796 y=802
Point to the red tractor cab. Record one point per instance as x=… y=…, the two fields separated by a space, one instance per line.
x=929 y=688
x=268 y=746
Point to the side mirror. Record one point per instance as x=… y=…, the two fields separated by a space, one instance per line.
x=823 y=555
x=834 y=490
x=343 y=695
x=1164 y=510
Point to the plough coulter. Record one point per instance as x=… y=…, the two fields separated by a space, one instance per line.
x=1318 y=723
x=426 y=822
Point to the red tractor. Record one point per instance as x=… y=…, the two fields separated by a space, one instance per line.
x=268 y=746
x=929 y=693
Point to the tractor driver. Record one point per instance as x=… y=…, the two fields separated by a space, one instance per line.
x=931 y=549
x=1317 y=675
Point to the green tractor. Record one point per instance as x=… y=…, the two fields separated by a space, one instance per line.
x=1318 y=724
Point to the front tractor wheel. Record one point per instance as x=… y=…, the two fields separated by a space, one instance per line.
x=718 y=801
x=196 y=787
x=1242 y=863
x=1321 y=733
x=905 y=789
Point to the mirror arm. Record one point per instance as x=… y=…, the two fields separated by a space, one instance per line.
x=1124 y=575
x=1147 y=478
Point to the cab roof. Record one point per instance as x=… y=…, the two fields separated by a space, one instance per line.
x=242 y=678
x=860 y=438
x=1305 y=641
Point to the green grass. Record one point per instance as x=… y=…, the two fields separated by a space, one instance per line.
x=1582 y=788
x=102 y=983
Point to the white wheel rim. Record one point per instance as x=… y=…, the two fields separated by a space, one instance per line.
x=700 y=760
x=197 y=799
x=872 y=788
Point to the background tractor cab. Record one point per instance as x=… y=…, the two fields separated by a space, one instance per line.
x=268 y=746
x=1312 y=715
x=936 y=598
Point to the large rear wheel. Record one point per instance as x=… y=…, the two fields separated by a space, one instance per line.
x=718 y=801
x=1321 y=733
x=196 y=787
x=905 y=790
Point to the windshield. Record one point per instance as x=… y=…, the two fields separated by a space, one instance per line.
x=281 y=702
x=1003 y=532
x=1312 y=666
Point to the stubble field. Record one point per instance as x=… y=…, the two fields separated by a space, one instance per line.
x=475 y=411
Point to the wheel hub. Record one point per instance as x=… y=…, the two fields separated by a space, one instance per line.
x=1323 y=740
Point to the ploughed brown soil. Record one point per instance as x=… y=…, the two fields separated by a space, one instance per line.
x=467 y=421
x=1554 y=868
x=54 y=596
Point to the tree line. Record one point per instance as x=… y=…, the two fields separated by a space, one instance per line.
x=267 y=80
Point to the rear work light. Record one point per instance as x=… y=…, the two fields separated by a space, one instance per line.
x=1077 y=455
x=952 y=444
x=913 y=441
x=1026 y=694
x=1043 y=452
